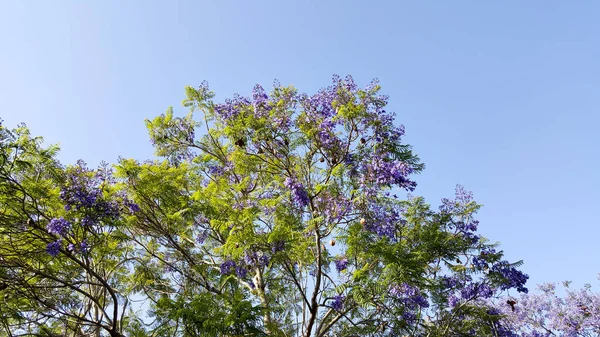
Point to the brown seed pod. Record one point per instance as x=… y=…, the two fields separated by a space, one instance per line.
x=362 y=140
x=322 y=160
x=332 y=242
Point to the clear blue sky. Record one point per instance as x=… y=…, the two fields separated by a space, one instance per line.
x=499 y=96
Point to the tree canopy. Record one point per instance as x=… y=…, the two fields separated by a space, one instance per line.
x=278 y=214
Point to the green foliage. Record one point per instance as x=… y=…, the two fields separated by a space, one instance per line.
x=76 y=292
x=274 y=215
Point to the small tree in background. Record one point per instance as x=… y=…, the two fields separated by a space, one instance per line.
x=546 y=313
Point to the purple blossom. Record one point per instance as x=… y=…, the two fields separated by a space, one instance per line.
x=513 y=278
x=87 y=221
x=409 y=296
x=479 y=263
x=332 y=207
x=232 y=108
x=260 y=102
x=476 y=290
x=449 y=282
x=545 y=313
x=326 y=136
x=251 y=258
x=227 y=267
x=384 y=220
x=409 y=316
x=263 y=260
x=299 y=193
x=453 y=301
x=53 y=248
x=338 y=302
x=256 y=259
x=83 y=190
x=381 y=171
x=58 y=226
x=84 y=246
x=463 y=199
x=241 y=271
x=341 y=264
x=133 y=207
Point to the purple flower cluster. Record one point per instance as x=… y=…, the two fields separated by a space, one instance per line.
x=83 y=192
x=513 y=278
x=449 y=282
x=545 y=313
x=384 y=220
x=241 y=271
x=133 y=207
x=231 y=108
x=259 y=259
x=327 y=137
x=501 y=330
x=332 y=207
x=299 y=193
x=382 y=171
x=461 y=211
x=83 y=246
x=453 y=301
x=485 y=257
x=476 y=290
x=479 y=263
x=410 y=296
x=341 y=264
x=217 y=170
x=338 y=302
x=227 y=267
x=58 y=226
x=241 y=268
x=463 y=199
x=320 y=105
x=260 y=102
x=53 y=248
x=88 y=221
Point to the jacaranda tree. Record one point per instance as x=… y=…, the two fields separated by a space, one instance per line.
x=277 y=215
x=63 y=258
x=547 y=313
